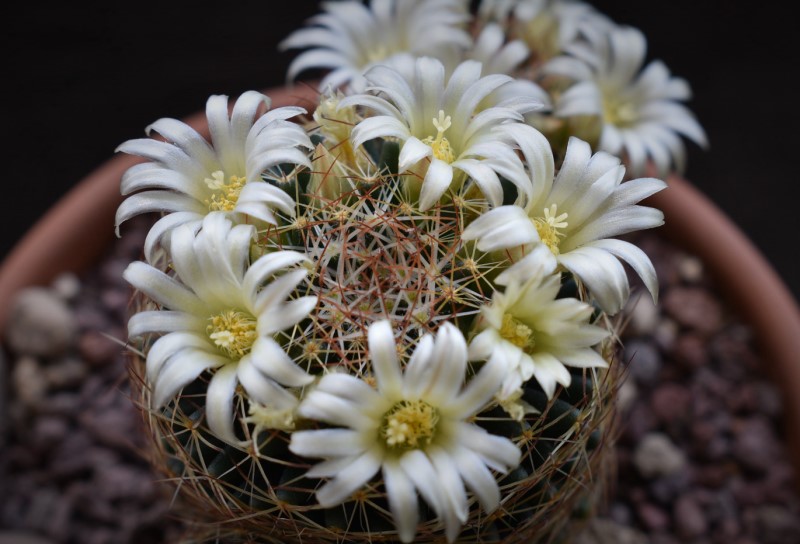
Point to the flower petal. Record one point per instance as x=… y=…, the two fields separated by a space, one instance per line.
x=412 y=152
x=219 y=403
x=402 y=498
x=350 y=479
x=501 y=228
x=437 y=181
x=327 y=443
x=383 y=351
x=271 y=359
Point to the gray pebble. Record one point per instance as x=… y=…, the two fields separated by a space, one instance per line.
x=39 y=324
x=643 y=360
x=690 y=269
x=28 y=382
x=643 y=315
x=656 y=455
x=66 y=286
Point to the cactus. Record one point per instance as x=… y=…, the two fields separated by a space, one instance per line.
x=375 y=256
x=391 y=319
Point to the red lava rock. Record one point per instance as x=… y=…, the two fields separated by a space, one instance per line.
x=652 y=517
x=755 y=444
x=66 y=373
x=694 y=308
x=97 y=349
x=21 y=537
x=689 y=518
x=671 y=403
x=690 y=351
x=48 y=432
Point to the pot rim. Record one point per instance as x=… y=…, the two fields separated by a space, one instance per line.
x=692 y=221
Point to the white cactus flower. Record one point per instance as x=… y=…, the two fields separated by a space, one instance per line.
x=575 y=216
x=187 y=177
x=415 y=428
x=439 y=128
x=548 y=27
x=535 y=334
x=643 y=117
x=349 y=37
x=499 y=56
x=224 y=316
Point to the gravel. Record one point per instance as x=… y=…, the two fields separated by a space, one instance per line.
x=700 y=456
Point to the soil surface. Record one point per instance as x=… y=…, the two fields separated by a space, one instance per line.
x=700 y=455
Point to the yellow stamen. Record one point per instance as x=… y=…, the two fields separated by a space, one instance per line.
x=410 y=424
x=233 y=332
x=548 y=227
x=517 y=333
x=440 y=144
x=619 y=112
x=225 y=194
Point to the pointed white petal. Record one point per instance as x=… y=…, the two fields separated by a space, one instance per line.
x=270 y=358
x=453 y=491
x=335 y=410
x=603 y=275
x=412 y=152
x=329 y=468
x=219 y=403
x=477 y=477
x=162 y=288
x=327 y=443
x=485 y=178
x=163 y=227
x=261 y=388
x=402 y=498
x=383 y=352
x=501 y=228
x=163 y=321
x=379 y=127
x=497 y=452
x=172 y=343
x=549 y=371
x=350 y=479
x=178 y=371
x=420 y=471
x=349 y=388
x=479 y=390
x=636 y=258
x=436 y=182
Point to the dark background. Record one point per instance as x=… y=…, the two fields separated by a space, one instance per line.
x=80 y=81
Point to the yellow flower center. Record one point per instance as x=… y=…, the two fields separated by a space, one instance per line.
x=440 y=144
x=517 y=333
x=233 y=332
x=619 y=113
x=549 y=225
x=410 y=424
x=225 y=194
x=377 y=54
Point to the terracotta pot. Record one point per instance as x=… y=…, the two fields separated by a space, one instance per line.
x=74 y=233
